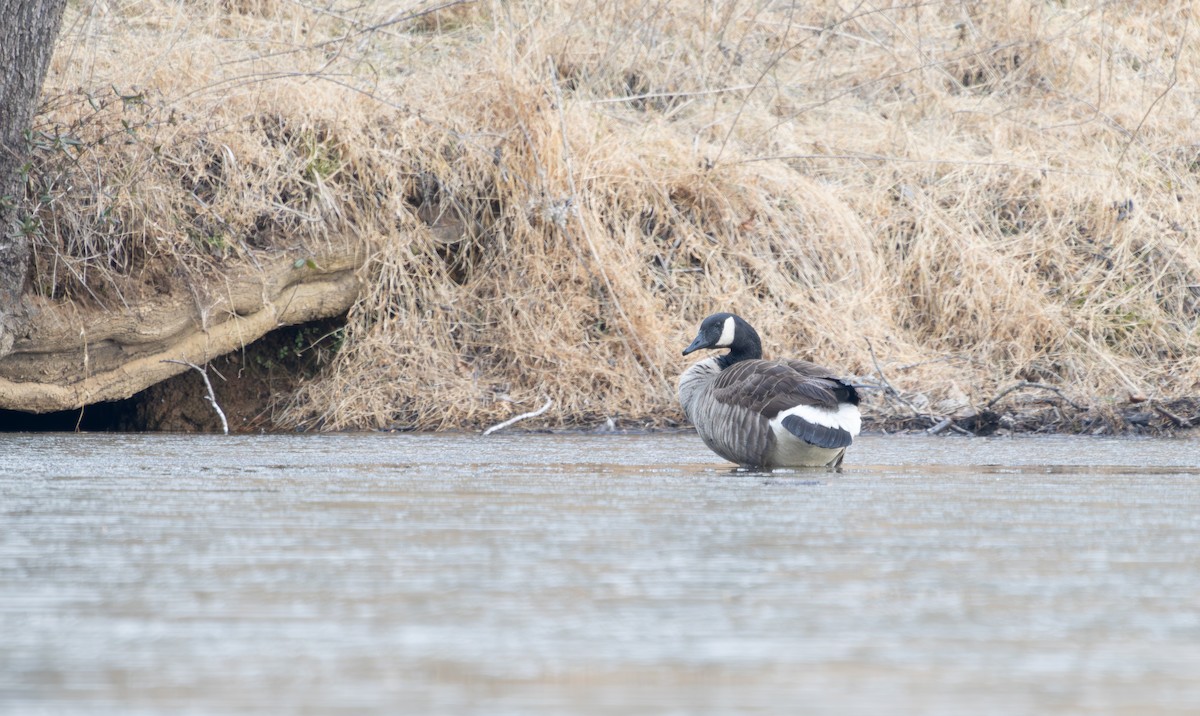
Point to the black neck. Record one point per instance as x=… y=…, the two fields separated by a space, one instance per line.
x=746 y=345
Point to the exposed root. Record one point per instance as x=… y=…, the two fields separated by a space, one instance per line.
x=212 y=397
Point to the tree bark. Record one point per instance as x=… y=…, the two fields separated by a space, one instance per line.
x=27 y=32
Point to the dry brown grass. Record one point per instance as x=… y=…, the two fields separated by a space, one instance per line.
x=556 y=192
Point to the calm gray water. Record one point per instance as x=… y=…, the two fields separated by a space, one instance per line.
x=422 y=574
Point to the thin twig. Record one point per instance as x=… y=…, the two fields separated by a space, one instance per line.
x=931 y=361
x=1133 y=135
x=935 y=425
x=889 y=389
x=1039 y=386
x=522 y=416
x=762 y=76
x=349 y=34
x=212 y=398
x=669 y=95
x=871 y=157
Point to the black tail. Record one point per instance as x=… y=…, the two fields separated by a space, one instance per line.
x=818 y=435
x=846 y=393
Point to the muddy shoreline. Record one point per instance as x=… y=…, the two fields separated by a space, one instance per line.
x=1149 y=418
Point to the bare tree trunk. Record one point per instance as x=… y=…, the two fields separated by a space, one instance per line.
x=27 y=32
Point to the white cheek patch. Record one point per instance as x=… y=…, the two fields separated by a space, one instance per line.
x=846 y=417
x=726 y=333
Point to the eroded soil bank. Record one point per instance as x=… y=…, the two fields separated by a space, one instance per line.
x=73 y=355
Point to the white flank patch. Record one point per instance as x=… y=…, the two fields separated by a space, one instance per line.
x=845 y=417
x=726 y=333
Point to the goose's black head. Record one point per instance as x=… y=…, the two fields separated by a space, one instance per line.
x=725 y=330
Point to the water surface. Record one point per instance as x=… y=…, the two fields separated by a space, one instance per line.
x=582 y=574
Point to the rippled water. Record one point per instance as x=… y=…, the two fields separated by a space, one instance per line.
x=419 y=574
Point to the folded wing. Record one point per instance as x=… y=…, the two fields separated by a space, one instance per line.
x=804 y=399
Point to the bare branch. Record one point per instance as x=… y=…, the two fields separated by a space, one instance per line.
x=522 y=416
x=669 y=95
x=1133 y=135
x=942 y=425
x=1039 y=386
x=212 y=398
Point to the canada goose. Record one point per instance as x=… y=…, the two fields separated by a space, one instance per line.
x=765 y=413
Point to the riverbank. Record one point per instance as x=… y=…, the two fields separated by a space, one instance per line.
x=943 y=201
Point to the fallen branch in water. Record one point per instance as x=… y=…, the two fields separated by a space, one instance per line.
x=522 y=416
x=212 y=397
x=1161 y=409
x=942 y=425
x=1039 y=386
